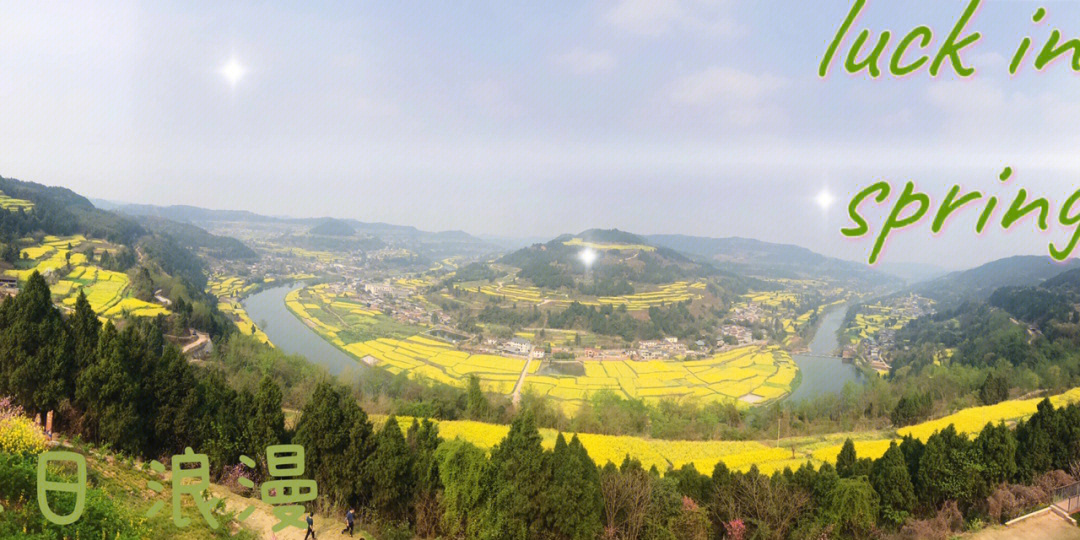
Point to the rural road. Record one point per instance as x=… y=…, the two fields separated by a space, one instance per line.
x=521 y=381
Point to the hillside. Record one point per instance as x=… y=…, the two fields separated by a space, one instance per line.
x=620 y=257
x=979 y=282
x=196 y=239
x=118 y=262
x=755 y=257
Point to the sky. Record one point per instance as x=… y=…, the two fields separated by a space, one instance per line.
x=702 y=117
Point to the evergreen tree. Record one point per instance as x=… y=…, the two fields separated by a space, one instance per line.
x=572 y=499
x=476 y=403
x=267 y=422
x=85 y=328
x=853 y=507
x=462 y=468
x=996 y=448
x=390 y=472
x=892 y=483
x=36 y=365
x=325 y=430
x=516 y=479
x=107 y=393
x=846 y=461
x=949 y=470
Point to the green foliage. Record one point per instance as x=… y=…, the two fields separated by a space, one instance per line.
x=325 y=429
x=514 y=482
x=36 y=349
x=853 y=507
x=950 y=469
x=890 y=479
x=390 y=472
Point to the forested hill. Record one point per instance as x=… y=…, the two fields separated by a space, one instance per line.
x=620 y=257
x=755 y=257
x=197 y=239
x=60 y=211
x=979 y=282
x=153 y=253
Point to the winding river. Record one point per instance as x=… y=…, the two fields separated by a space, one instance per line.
x=821 y=373
x=288 y=333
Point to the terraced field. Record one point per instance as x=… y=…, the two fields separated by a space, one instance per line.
x=604 y=246
x=672 y=293
x=9 y=203
x=106 y=291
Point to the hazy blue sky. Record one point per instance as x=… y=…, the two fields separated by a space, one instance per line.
x=532 y=119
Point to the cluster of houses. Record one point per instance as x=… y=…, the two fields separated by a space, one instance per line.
x=750 y=313
x=875 y=349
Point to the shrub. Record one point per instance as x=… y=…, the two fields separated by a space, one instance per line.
x=20 y=435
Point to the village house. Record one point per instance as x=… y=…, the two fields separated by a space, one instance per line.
x=518 y=346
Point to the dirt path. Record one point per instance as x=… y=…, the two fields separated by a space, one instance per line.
x=1048 y=526
x=521 y=381
x=201 y=339
x=262 y=520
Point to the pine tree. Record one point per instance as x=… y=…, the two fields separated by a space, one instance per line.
x=516 y=479
x=996 y=448
x=325 y=430
x=267 y=422
x=85 y=328
x=890 y=479
x=390 y=471
x=572 y=501
x=846 y=461
x=35 y=349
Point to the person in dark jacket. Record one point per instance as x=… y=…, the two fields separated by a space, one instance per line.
x=310 y=527
x=350 y=517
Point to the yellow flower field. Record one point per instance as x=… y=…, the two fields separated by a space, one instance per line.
x=671 y=293
x=970 y=421
x=106 y=291
x=10 y=203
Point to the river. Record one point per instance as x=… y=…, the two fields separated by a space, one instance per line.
x=267 y=308
x=286 y=332
x=821 y=375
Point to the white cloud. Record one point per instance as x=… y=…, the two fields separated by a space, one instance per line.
x=722 y=84
x=658 y=17
x=583 y=62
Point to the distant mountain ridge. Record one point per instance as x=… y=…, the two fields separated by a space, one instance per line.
x=441 y=243
x=979 y=282
x=766 y=259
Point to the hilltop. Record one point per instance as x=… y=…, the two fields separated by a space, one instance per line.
x=621 y=258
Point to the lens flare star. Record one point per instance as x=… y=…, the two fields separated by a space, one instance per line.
x=233 y=71
x=824 y=199
x=588 y=256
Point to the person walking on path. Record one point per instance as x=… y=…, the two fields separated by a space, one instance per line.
x=349 y=518
x=310 y=527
